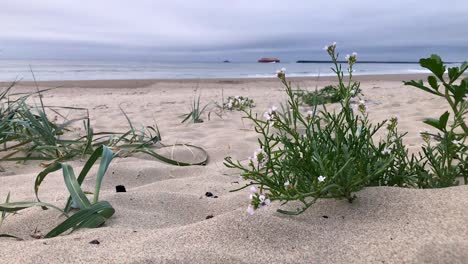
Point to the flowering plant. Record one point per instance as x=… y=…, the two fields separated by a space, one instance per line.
x=445 y=151
x=238 y=103
x=317 y=154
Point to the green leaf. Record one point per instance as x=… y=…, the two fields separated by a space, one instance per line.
x=41 y=176
x=433 y=82
x=10 y=236
x=434 y=64
x=463 y=67
x=443 y=119
x=87 y=167
x=86 y=218
x=74 y=187
x=453 y=74
x=440 y=123
x=460 y=91
x=106 y=158
x=419 y=84
x=18 y=206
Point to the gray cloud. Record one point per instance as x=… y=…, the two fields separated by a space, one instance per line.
x=236 y=29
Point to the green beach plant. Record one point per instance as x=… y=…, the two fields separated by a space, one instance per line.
x=196 y=111
x=319 y=154
x=27 y=133
x=333 y=154
x=328 y=94
x=238 y=103
x=445 y=151
x=90 y=214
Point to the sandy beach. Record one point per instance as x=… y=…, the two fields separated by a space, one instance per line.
x=165 y=217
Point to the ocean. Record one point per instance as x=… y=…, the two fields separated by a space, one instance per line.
x=97 y=70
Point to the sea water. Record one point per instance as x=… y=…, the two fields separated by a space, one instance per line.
x=112 y=70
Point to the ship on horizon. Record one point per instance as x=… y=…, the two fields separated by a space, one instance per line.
x=269 y=60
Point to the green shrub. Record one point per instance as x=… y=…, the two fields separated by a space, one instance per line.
x=319 y=154
x=333 y=154
x=445 y=151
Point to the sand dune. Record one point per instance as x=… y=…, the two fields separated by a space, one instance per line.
x=162 y=218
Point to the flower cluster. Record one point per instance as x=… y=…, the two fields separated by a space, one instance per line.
x=351 y=58
x=259 y=158
x=239 y=103
x=257 y=200
x=361 y=106
x=271 y=113
x=330 y=48
x=281 y=73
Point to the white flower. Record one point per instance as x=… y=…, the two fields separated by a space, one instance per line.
x=267 y=116
x=334 y=43
x=321 y=178
x=325 y=48
x=229 y=105
x=362 y=102
x=237 y=97
x=456 y=142
x=283 y=69
x=310 y=113
x=253 y=189
x=250 y=210
x=272 y=109
x=261 y=197
x=251 y=196
x=347 y=57
x=286 y=184
x=354 y=54
x=267 y=202
x=386 y=151
x=278 y=72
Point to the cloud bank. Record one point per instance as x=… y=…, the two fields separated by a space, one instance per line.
x=207 y=30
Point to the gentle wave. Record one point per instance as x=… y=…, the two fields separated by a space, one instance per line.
x=90 y=70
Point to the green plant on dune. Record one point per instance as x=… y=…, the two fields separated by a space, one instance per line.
x=90 y=214
x=238 y=103
x=445 y=151
x=320 y=154
x=333 y=154
x=328 y=94
x=196 y=112
x=27 y=133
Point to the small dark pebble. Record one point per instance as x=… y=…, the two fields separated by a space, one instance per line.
x=216 y=196
x=120 y=188
x=391 y=238
x=208 y=194
x=209 y=216
x=324 y=216
x=95 y=242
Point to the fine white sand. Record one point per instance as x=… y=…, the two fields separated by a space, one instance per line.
x=162 y=216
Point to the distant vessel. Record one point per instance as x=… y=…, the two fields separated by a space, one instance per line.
x=268 y=60
x=226 y=61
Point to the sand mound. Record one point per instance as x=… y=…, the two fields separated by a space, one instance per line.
x=165 y=217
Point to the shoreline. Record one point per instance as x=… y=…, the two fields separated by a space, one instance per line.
x=140 y=83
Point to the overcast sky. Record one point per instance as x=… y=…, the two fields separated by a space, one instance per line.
x=243 y=30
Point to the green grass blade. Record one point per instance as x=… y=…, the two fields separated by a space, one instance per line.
x=74 y=187
x=106 y=158
x=84 y=219
x=41 y=176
